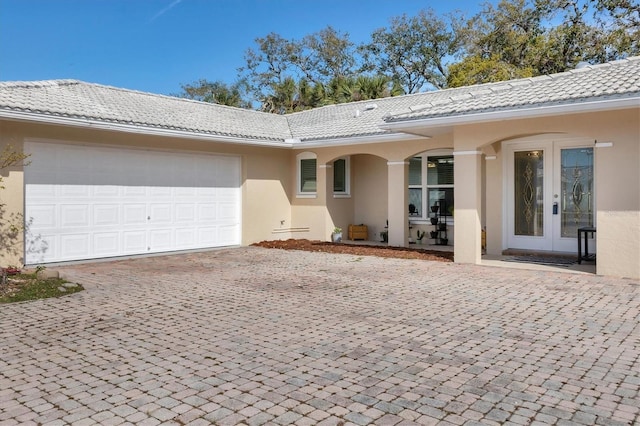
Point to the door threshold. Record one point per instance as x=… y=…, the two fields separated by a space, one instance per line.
x=545 y=253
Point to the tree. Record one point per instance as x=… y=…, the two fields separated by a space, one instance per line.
x=216 y=92
x=621 y=22
x=519 y=38
x=415 y=50
x=317 y=58
x=476 y=70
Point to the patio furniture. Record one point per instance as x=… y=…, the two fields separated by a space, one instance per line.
x=358 y=232
x=583 y=240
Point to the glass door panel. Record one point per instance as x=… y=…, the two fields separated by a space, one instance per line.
x=576 y=174
x=529 y=193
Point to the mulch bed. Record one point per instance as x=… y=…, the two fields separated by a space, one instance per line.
x=360 y=250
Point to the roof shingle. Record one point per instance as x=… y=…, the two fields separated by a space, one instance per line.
x=94 y=102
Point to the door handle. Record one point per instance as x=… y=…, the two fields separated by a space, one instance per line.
x=555 y=208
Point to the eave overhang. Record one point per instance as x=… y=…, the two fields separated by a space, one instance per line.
x=88 y=123
x=418 y=125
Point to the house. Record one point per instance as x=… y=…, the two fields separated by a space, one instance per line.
x=118 y=172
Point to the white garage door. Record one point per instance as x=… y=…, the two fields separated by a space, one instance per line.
x=86 y=202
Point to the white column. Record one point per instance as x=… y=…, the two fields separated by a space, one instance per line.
x=468 y=206
x=397 y=207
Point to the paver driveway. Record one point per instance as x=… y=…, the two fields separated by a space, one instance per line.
x=259 y=336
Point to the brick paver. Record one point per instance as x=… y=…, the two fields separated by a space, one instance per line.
x=258 y=336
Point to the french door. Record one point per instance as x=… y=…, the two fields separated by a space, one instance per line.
x=549 y=193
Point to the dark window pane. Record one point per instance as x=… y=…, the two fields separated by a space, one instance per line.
x=340 y=175
x=415 y=171
x=443 y=196
x=440 y=170
x=308 y=175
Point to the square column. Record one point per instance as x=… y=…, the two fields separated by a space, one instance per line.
x=468 y=206
x=397 y=207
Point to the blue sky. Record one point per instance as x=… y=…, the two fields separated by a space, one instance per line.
x=157 y=45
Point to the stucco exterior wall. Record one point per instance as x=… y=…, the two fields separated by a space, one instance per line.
x=266 y=179
x=370 y=194
x=617 y=178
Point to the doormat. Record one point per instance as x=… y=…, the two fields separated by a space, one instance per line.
x=543 y=260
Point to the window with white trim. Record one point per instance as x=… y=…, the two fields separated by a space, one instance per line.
x=341 y=177
x=307 y=174
x=430 y=181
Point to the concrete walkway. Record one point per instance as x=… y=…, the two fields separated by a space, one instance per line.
x=258 y=336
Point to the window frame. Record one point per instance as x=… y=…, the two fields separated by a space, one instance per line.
x=299 y=159
x=347 y=178
x=424 y=186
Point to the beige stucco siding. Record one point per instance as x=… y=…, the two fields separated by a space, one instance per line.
x=266 y=180
x=617 y=182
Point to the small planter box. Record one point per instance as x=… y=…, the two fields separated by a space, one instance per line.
x=358 y=232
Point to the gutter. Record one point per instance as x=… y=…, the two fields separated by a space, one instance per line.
x=136 y=129
x=513 y=114
x=355 y=140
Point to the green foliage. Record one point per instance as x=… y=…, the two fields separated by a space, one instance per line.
x=510 y=39
x=414 y=50
x=216 y=92
x=30 y=287
x=10 y=157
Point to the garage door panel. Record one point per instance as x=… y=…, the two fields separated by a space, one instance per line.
x=134 y=214
x=185 y=191
x=106 y=191
x=74 y=246
x=134 y=191
x=160 y=191
x=227 y=211
x=185 y=212
x=186 y=238
x=43 y=216
x=134 y=242
x=161 y=240
x=80 y=191
x=72 y=216
x=207 y=236
x=207 y=212
x=228 y=233
x=160 y=213
x=106 y=215
x=106 y=243
x=88 y=202
x=41 y=247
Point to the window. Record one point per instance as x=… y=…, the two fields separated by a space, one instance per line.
x=307 y=174
x=430 y=181
x=341 y=176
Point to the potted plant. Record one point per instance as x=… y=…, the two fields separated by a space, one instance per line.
x=385 y=236
x=434 y=234
x=420 y=235
x=434 y=220
x=336 y=236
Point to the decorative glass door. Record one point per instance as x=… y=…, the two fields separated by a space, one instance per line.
x=549 y=194
x=575 y=197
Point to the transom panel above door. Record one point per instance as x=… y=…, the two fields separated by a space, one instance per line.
x=86 y=202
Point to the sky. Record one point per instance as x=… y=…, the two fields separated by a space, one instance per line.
x=158 y=45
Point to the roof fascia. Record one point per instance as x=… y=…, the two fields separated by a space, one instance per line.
x=513 y=114
x=357 y=140
x=141 y=130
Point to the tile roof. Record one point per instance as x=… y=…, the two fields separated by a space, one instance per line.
x=74 y=99
x=95 y=102
x=612 y=80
